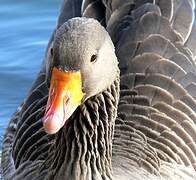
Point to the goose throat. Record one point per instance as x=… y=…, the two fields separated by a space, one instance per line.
x=83 y=147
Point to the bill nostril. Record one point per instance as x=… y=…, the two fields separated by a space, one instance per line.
x=65 y=100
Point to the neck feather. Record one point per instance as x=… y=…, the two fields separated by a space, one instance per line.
x=83 y=148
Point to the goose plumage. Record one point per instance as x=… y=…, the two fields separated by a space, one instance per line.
x=136 y=123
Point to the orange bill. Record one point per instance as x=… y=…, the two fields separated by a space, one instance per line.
x=65 y=95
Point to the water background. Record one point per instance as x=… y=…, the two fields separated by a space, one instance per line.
x=25 y=28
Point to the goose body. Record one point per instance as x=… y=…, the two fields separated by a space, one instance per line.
x=138 y=123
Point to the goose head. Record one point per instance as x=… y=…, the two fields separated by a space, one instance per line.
x=82 y=64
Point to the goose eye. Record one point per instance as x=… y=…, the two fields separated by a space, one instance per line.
x=93 y=58
x=51 y=51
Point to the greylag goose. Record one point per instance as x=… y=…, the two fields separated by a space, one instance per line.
x=85 y=118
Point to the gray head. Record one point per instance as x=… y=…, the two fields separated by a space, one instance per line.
x=80 y=45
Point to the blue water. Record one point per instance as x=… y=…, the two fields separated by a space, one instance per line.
x=25 y=28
